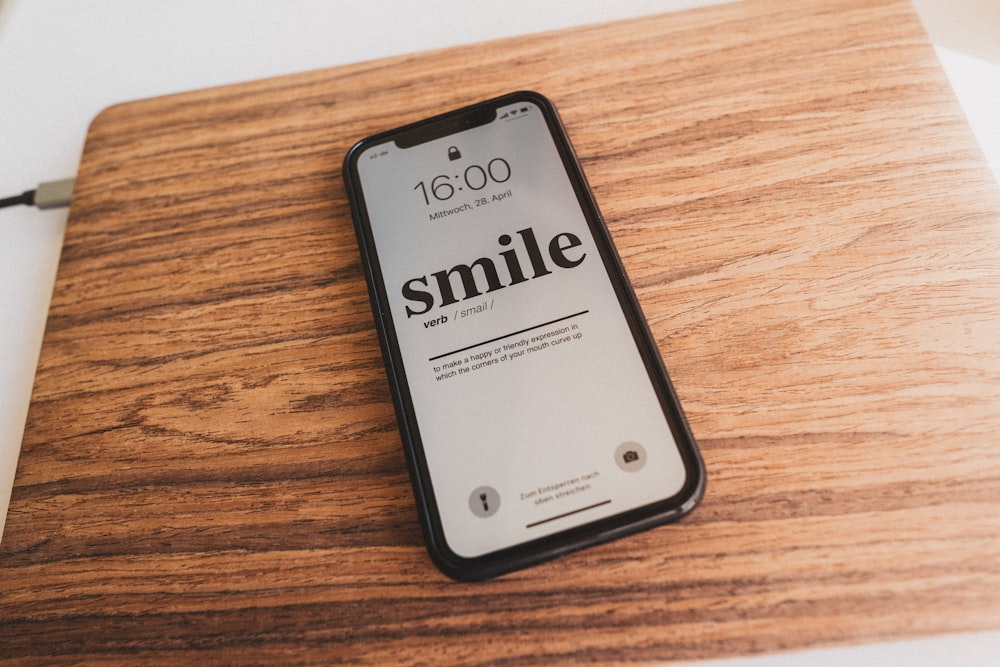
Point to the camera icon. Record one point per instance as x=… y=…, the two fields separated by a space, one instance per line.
x=630 y=456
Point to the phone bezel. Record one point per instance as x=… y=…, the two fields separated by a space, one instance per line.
x=550 y=546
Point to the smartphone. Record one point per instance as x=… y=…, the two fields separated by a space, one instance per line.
x=534 y=409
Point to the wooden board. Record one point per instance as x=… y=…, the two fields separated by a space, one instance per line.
x=211 y=470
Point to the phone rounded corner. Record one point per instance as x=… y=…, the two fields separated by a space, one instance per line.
x=455 y=567
x=464 y=569
x=533 y=95
x=351 y=158
x=693 y=490
x=698 y=487
x=457 y=572
x=543 y=101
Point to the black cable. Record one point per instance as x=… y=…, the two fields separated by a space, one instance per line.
x=53 y=194
x=27 y=198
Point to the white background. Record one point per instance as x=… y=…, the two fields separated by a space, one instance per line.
x=61 y=62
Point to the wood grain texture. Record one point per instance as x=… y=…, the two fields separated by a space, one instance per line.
x=211 y=471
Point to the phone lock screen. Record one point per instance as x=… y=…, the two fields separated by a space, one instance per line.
x=532 y=403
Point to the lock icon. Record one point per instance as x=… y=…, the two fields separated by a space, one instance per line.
x=453 y=153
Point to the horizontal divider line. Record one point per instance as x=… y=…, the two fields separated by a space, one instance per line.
x=561 y=516
x=493 y=340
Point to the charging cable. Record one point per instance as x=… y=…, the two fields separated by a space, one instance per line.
x=54 y=194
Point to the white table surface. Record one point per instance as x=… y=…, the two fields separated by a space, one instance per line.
x=61 y=62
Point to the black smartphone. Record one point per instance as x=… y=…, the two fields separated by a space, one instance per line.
x=534 y=408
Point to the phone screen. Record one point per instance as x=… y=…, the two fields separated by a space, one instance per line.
x=535 y=411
